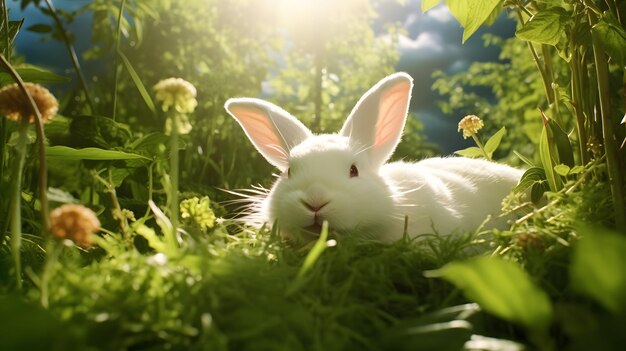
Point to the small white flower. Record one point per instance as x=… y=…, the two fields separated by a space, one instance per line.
x=178 y=93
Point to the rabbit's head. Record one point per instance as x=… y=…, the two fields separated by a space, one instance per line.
x=333 y=177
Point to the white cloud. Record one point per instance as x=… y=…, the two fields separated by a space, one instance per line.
x=440 y=13
x=424 y=41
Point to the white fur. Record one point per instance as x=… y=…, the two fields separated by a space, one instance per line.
x=447 y=195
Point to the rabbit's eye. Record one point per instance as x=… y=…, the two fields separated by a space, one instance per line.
x=354 y=172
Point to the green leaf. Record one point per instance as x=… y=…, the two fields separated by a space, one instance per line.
x=471 y=14
x=524 y=159
x=546 y=160
x=613 y=38
x=40 y=28
x=153 y=239
x=562 y=170
x=32 y=74
x=530 y=177
x=546 y=26
x=99 y=131
x=315 y=252
x=138 y=84
x=89 y=153
x=598 y=268
x=429 y=4
x=471 y=151
x=492 y=144
x=577 y=170
x=537 y=191
x=501 y=288
x=563 y=146
x=14 y=28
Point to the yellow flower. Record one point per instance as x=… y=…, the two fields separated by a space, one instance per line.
x=470 y=125
x=178 y=93
x=15 y=106
x=198 y=211
x=74 y=222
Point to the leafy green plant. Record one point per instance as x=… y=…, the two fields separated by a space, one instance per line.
x=585 y=36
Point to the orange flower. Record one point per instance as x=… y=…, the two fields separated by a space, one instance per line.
x=15 y=106
x=74 y=222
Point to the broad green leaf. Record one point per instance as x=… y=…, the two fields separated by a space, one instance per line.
x=546 y=26
x=471 y=14
x=40 y=28
x=138 y=84
x=598 y=268
x=613 y=38
x=562 y=170
x=429 y=4
x=530 y=177
x=89 y=153
x=501 y=288
x=492 y=144
x=32 y=74
x=471 y=151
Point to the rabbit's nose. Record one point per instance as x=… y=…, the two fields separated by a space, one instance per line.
x=314 y=207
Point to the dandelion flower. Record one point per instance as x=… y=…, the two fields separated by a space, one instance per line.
x=15 y=106
x=177 y=93
x=470 y=125
x=74 y=222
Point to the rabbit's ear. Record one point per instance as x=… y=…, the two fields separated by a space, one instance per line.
x=376 y=122
x=272 y=130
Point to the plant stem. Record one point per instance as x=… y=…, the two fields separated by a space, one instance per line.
x=16 y=201
x=480 y=145
x=52 y=253
x=5 y=14
x=174 y=178
x=118 y=209
x=577 y=101
x=3 y=123
x=43 y=168
x=72 y=52
x=551 y=93
x=610 y=143
x=115 y=63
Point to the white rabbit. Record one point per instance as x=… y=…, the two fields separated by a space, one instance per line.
x=343 y=178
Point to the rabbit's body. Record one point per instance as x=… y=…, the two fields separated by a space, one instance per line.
x=343 y=179
x=453 y=194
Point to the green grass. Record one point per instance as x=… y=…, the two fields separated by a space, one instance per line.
x=246 y=291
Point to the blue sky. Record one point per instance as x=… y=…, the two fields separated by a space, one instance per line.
x=432 y=42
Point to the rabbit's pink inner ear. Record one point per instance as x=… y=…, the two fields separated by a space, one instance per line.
x=263 y=133
x=393 y=108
